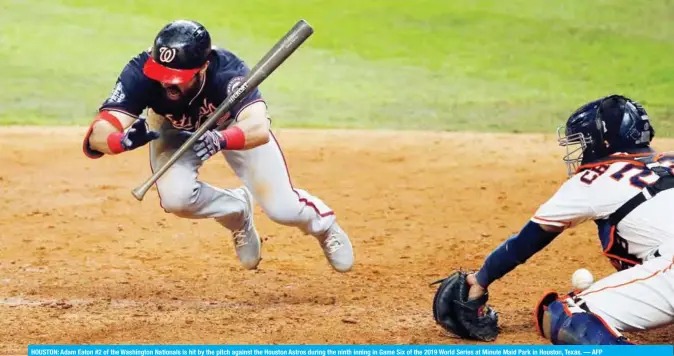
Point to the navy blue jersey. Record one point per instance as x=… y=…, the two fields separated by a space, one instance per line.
x=134 y=92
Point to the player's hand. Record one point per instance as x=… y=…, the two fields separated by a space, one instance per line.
x=138 y=135
x=466 y=318
x=476 y=290
x=210 y=143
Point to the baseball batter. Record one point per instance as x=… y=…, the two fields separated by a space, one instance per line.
x=620 y=183
x=181 y=80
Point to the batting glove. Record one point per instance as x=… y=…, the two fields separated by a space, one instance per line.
x=214 y=141
x=209 y=144
x=138 y=135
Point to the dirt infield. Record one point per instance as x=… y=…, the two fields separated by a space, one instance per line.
x=81 y=261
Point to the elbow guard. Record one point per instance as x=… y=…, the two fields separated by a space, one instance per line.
x=105 y=116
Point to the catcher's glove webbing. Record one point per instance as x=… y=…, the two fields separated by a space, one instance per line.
x=455 y=313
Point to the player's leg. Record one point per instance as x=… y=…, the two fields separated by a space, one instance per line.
x=639 y=298
x=264 y=171
x=635 y=299
x=182 y=194
x=563 y=322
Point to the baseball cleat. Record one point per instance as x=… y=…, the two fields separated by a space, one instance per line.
x=337 y=248
x=246 y=239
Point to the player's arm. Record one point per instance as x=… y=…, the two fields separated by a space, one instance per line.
x=569 y=206
x=250 y=129
x=251 y=121
x=108 y=134
x=117 y=127
x=252 y=124
x=515 y=251
x=106 y=125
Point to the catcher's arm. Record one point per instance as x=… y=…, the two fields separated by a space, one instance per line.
x=515 y=251
x=460 y=303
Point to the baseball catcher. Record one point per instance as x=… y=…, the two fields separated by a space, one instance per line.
x=618 y=181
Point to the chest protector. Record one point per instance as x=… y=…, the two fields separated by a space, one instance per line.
x=615 y=247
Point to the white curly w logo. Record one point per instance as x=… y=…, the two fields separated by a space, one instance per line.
x=167 y=55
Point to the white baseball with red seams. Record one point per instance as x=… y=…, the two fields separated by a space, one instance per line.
x=264 y=173
x=582 y=279
x=641 y=297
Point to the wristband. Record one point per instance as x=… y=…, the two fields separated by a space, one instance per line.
x=233 y=138
x=115 y=142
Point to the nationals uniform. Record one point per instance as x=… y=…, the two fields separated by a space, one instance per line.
x=181 y=52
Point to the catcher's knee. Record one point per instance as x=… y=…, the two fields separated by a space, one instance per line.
x=562 y=322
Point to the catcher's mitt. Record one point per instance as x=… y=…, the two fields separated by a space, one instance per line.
x=466 y=319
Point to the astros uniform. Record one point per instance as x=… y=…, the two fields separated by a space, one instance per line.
x=641 y=246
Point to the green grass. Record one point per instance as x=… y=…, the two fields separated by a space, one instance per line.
x=516 y=65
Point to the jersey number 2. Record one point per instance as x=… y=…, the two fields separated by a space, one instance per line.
x=636 y=180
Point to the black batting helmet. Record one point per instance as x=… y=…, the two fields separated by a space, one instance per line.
x=180 y=49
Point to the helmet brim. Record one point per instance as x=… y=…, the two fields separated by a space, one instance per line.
x=168 y=75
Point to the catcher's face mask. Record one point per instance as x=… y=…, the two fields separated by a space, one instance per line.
x=576 y=144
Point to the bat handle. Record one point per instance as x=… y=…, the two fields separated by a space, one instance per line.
x=140 y=191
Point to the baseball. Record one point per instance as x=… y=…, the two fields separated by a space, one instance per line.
x=582 y=279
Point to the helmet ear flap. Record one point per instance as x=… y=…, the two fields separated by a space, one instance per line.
x=643 y=130
x=610 y=113
x=600 y=146
x=626 y=123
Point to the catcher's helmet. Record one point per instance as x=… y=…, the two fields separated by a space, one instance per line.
x=180 y=49
x=604 y=126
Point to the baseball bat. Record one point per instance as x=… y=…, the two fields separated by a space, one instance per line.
x=287 y=40
x=267 y=65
